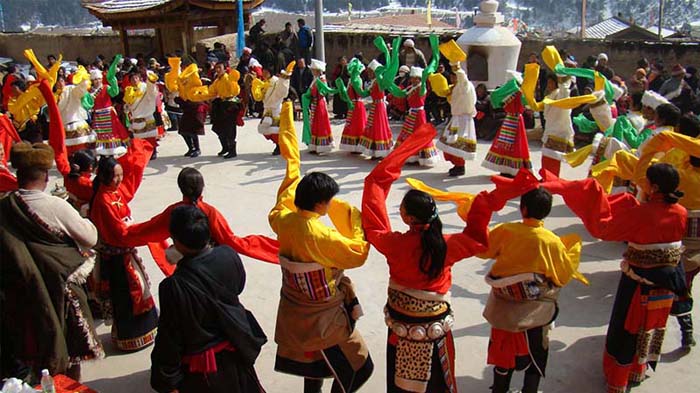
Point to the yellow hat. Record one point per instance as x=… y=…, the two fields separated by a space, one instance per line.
x=550 y=56
x=452 y=52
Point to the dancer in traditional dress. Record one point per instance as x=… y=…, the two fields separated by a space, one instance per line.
x=272 y=91
x=73 y=107
x=458 y=140
x=418 y=314
x=377 y=140
x=133 y=306
x=225 y=109
x=532 y=266
x=415 y=96
x=140 y=101
x=509 y=151
x=356 y=120
x=315 y=334
x=110 y=135
x=191 y=184
x=651 y=273
x=317 y=125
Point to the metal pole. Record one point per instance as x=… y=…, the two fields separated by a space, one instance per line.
x=661 y=19
x=583 y=18
x=318 y=39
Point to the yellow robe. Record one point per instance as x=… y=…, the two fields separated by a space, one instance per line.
x=302 y=236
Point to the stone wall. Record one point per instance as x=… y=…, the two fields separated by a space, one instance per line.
x=622 y=55
x=72 y=46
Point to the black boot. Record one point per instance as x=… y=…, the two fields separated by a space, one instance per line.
x=224 y=146
x=276 y=152
x=195 y=147
x=501 y=380
x=155 y=154
x=231 y=151
x=190 y=146
x=457 y=171
x=686 y=322
x=312 y=385
x=531 y=382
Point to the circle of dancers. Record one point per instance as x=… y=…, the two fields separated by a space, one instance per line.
x=77 y=260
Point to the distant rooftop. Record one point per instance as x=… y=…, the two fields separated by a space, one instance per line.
x=615 y=26
x=410 y=24
x=124 y=6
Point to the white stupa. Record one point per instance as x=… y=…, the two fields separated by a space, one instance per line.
x=491 y=48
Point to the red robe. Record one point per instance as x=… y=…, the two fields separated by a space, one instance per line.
x=110 y=211
x=255 y=246
x=638 y=308
x=80 y=187
x=403 y=250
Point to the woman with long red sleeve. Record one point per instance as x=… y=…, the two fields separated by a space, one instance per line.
x=418 y=311
x=134 y=312
x=191 y=184
x=651 y=273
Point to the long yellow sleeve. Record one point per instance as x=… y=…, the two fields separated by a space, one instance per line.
x=289 y=150
x=258 y=89
x=171 y=77
x=532 y=72
x=302 y=236
x=463 y=200
x=623 y=164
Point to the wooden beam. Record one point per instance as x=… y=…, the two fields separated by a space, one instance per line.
x=125 y=42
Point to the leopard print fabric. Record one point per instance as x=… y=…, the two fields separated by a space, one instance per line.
x=413 y=364
x=653 y=258
x=411 y=305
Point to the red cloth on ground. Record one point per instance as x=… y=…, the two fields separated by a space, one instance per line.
x=254 y=246
x=403 y=250
x=64 y=384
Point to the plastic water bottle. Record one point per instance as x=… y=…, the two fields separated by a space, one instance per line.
x=47 y=382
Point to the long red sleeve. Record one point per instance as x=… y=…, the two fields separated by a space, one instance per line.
x=57 y=134
x=8 y=136
x=254 y=246
x=134 y=163
x=375 y=219
x=620 y=217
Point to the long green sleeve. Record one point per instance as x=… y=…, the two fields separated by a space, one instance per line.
x=343 y=93
x=113 y=85
x=305 y=103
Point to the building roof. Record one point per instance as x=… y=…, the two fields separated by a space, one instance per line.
x=410 y=24
x=615 y=26
x=105 y=7
x=410 y=20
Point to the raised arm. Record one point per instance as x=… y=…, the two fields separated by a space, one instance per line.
x=375 y=219
x=134 y=163
x=57 y=135
x=289 y=150
x=112 y=83
x=607 y=217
